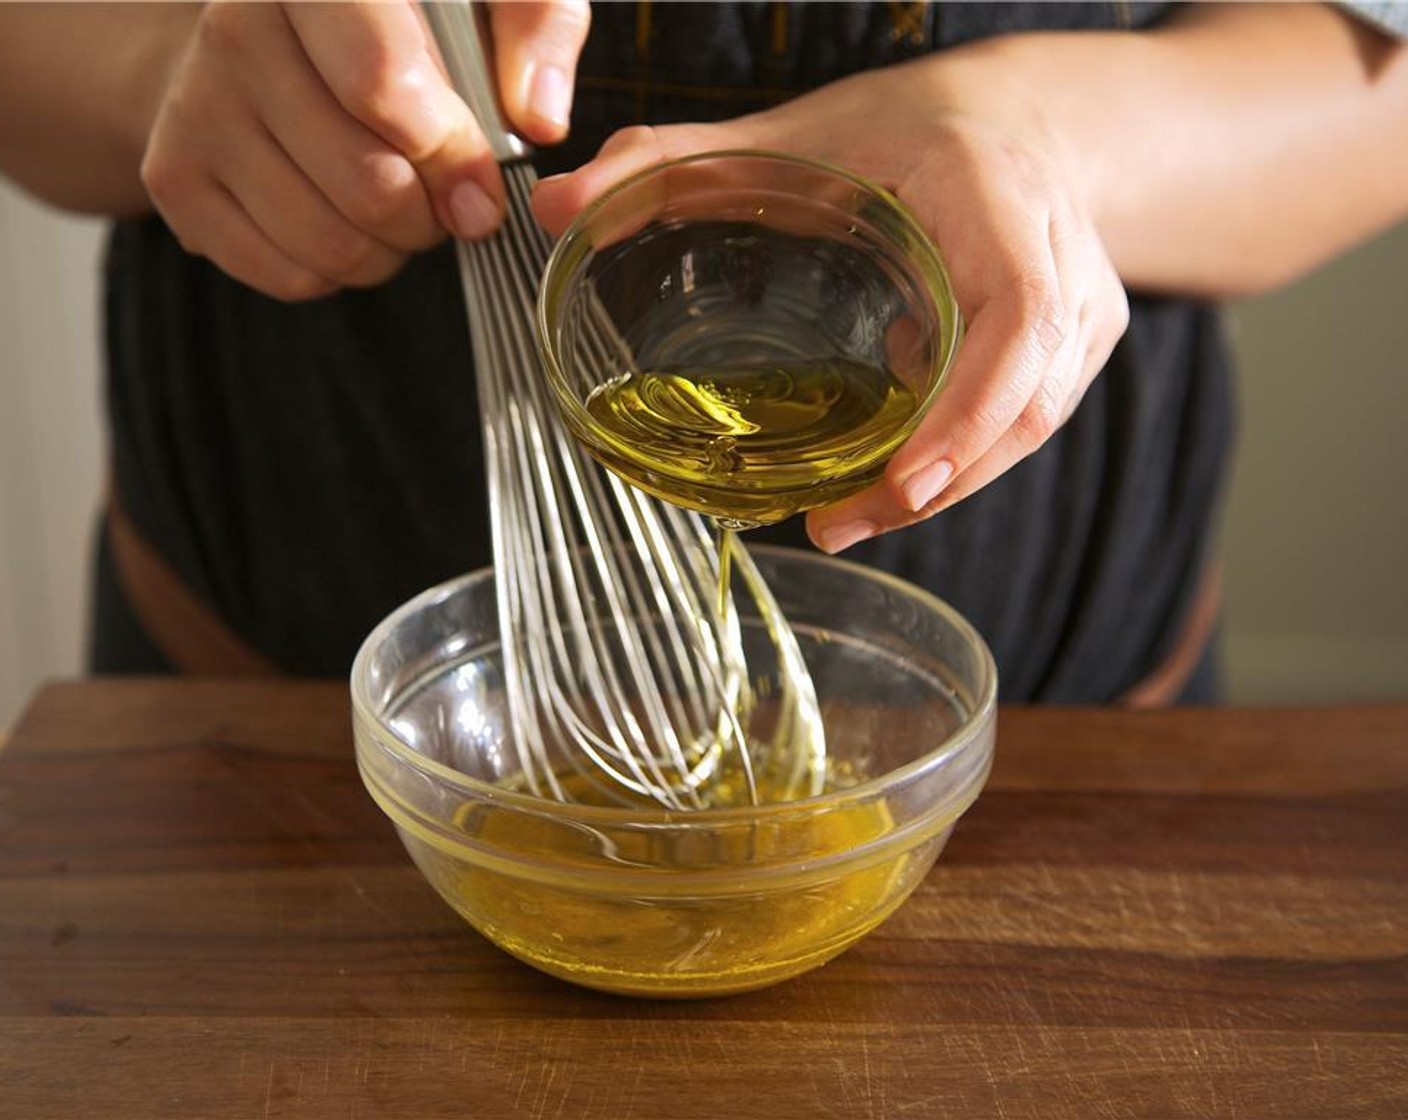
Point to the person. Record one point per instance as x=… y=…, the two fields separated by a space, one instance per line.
x=294 y=434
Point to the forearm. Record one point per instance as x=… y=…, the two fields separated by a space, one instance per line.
x=1233 y=148
x=79 y=86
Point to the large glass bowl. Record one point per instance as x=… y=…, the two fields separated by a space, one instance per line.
x=685 y=903
x=747 y=334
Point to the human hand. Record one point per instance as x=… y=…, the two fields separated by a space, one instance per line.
x=309 y=147
x=1011 y=211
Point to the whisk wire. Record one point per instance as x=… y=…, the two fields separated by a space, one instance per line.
x=540 y=538
x=681 y=660
x=642 y=650
x=622 y=663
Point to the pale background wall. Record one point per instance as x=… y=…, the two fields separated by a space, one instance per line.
x=51 y=450
x=1316 y=539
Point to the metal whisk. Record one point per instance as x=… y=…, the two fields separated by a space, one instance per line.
x=623 y=665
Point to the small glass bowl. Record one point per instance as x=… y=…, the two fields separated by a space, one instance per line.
x=755 y=267
x=647 y=901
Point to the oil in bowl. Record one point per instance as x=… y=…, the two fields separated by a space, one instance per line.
x=641 y=900
x=746 y=334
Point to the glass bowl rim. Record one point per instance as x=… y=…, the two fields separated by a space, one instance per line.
x=937 y=281
x=962 y=738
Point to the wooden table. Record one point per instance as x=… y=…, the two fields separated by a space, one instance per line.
x=1181 y=914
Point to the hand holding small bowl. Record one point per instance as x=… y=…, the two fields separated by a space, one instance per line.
x=746 y=334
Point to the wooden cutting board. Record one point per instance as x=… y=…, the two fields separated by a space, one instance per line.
x=1176 y=914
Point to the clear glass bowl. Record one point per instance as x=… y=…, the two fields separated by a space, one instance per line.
x=652 y=902
x=747 y=334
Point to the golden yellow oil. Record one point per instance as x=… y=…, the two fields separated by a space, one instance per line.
x=761 y=917
x=751 y=443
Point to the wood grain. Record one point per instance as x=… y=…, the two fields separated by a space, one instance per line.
x=1172 y=914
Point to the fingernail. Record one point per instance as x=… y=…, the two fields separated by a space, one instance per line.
x=550 y=95
x=926 y=484
x=472 y=211
x=838 y=538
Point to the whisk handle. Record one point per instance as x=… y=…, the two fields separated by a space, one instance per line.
x=461 y=32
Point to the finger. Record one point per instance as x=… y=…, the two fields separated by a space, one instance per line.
x=1007 y=278
x=1011 y=343
x=208 y=222
x=1094 y=287
x=536 y=47
x=1079 y=264
x=370 y=183
x=872 y=511
x=379 y=63
x=878 y=509
x=1049 y=408
x=1097 y=325
x=1109 y=323
x=294 y=215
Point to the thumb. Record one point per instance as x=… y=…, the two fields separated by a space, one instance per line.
x=536 y=47
x=559 y=199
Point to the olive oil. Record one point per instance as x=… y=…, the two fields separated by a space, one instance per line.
x=685 y=941
x=751 y=443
